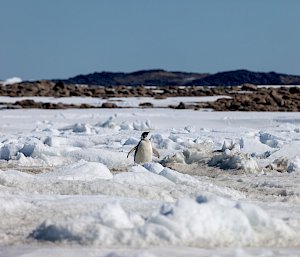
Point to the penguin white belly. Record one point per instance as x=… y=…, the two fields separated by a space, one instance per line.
x=143 y=152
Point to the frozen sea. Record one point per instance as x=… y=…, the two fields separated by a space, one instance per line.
x=226 y=183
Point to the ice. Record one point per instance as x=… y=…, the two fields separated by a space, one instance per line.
x=197 y=153
x=294 y=165
x=131 y=141
x=81 y=170
x=12 y=80
x=268 y=139
x=142 y=177
x=229 y=160
x=255 y=147
x=109 y=123
x=187 y=222
x=8 y=151
x=153 y=167
x=146 y=125
x=65 y=178
x=177 y=177
x=81 y=128
x=162 y=142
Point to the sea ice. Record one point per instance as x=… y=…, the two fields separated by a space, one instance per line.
x=81 y=170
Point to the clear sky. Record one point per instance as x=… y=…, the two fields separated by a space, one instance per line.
x=43 y=39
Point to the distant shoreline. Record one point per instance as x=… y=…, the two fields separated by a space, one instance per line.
x=247 y=97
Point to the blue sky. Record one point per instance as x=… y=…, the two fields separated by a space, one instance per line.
x=43 y=39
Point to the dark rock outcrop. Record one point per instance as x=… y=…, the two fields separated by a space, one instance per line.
x=167 y=78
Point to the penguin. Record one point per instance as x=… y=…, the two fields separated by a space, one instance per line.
x=143 y=150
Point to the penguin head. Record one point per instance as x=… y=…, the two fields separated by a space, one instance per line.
x=144 y=135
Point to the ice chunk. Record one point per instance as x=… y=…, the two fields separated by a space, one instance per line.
x=268 y=139
x=8 y=151
x=165 y=143
x=294 y=165
x=131 y=141
x=82 y=128
x=12 y=80
x=140 y=125
x=197 y=153
x=228 y=160
x=279 y=164
x=109 y=123
x=28 y=148
x=126 y=125
x=22 y=160
x=177 y=177
x=153 y=167
x=176 y=158
x=78 y=128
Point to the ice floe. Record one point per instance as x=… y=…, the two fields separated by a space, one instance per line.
x=65 y=178
x=210 y=222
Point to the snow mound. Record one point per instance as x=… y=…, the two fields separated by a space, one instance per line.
x=109 y=123
x=176 y=158
x=283 y=164
x=197 y=153
x=228 y=160
x=162 y=142
x=153 y=167
x=131 y=141
x=12 y=80
x=255 y=147
x=82 y=128
x=137 y=125
x=178 y=178
x=59 y=141
x=8 y=151
x=78 y=128
x=24 y=161
x=141 y=177
x=81 y=170
x=268 y=139
x=205 y=222
x=11 y=149
x=54 y=155
x=294 y=165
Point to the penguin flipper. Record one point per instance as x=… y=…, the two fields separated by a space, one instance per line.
x=155 y=152
x=133 y=149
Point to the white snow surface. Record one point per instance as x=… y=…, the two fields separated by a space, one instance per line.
x=65 y=180
x=11 y=80
x=119 y=101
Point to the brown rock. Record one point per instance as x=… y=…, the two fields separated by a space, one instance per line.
x=147 y=105
x=181 y=105
x=109 y=105
x=160 y=97
x=294 y=90
x=249 y=87
x=277 y=98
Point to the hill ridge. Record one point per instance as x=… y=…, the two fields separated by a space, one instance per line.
x=160 y=77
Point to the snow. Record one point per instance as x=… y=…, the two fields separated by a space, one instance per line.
x=187 y=222
x=119 y=101
x=12 y=80
x=81 y=170
x=226 y=184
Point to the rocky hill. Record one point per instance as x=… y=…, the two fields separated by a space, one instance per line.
x=143 y=77
x=167 y=78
